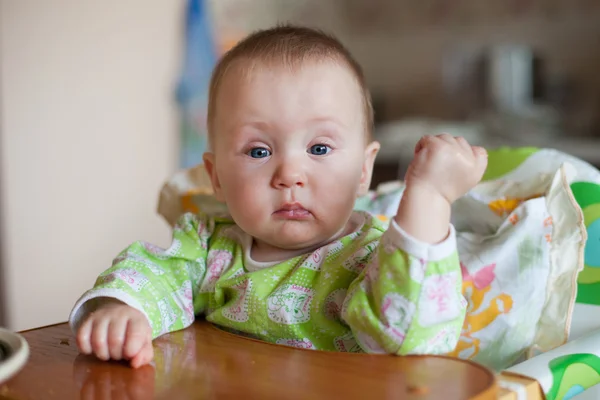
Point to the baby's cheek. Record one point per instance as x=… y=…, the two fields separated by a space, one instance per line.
x=251 y=202
x=335 y=198
x=342 y=182
x=247 y=198
x=239 y=187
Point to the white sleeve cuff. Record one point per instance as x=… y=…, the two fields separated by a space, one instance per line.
x=83 y=307
x=398 y=237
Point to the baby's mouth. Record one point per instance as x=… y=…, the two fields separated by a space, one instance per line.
x=292 y=211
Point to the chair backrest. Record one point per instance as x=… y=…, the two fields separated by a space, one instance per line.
x=586 y=191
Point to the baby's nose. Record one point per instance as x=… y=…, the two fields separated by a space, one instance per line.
x=289 y=175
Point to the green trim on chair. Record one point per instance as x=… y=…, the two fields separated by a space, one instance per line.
x=588 y=293
x=586 y=193
x=505 y=159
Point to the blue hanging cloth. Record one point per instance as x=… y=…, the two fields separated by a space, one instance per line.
x=192 y=90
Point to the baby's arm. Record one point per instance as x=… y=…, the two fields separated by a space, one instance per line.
x=444 y=168
x=147 y=292
x=408 y=300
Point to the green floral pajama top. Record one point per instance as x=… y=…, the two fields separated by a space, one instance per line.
x=376 y=290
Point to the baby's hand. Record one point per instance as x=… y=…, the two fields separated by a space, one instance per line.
x=446 y=165
x=119 y=332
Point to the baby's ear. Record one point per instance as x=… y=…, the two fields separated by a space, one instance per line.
x=209 y=165
x=367 y=169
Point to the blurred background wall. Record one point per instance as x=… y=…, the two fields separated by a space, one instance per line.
x=90 y=129
x=88 y=134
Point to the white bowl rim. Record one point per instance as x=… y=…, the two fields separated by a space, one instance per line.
x=20 y=353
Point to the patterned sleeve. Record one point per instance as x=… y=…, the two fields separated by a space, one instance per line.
x=163 y=284
x=408 y=300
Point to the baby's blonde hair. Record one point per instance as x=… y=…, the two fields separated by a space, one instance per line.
x=288 y=46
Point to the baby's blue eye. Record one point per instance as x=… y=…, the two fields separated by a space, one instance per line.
x=259 y=152
x=319 y=149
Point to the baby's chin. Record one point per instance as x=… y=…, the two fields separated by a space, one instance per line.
x=301 y=238
x=290 y=242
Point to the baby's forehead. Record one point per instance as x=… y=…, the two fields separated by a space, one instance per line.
x=236 y=84
x=247 y=68
x=321 y=87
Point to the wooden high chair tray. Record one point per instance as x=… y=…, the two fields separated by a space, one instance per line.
x=205 y=362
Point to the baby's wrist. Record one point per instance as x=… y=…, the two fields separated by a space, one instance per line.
x=424 y=213
x=427 y=195
x=104 y=302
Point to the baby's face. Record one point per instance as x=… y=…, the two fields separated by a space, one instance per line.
x=290 y=151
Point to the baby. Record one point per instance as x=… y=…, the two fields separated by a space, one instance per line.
x=290 y=124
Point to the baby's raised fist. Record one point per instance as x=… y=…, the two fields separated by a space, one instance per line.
x=446 y=164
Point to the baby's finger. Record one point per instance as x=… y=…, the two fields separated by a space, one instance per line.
x=83 y=337
x=137 y=333
x=144 y=356
x=116 y=338
x=446 y=137
x=462 y=142
x=480 y=152
x=482 y=160
x=98 y=338
x=423 y=142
